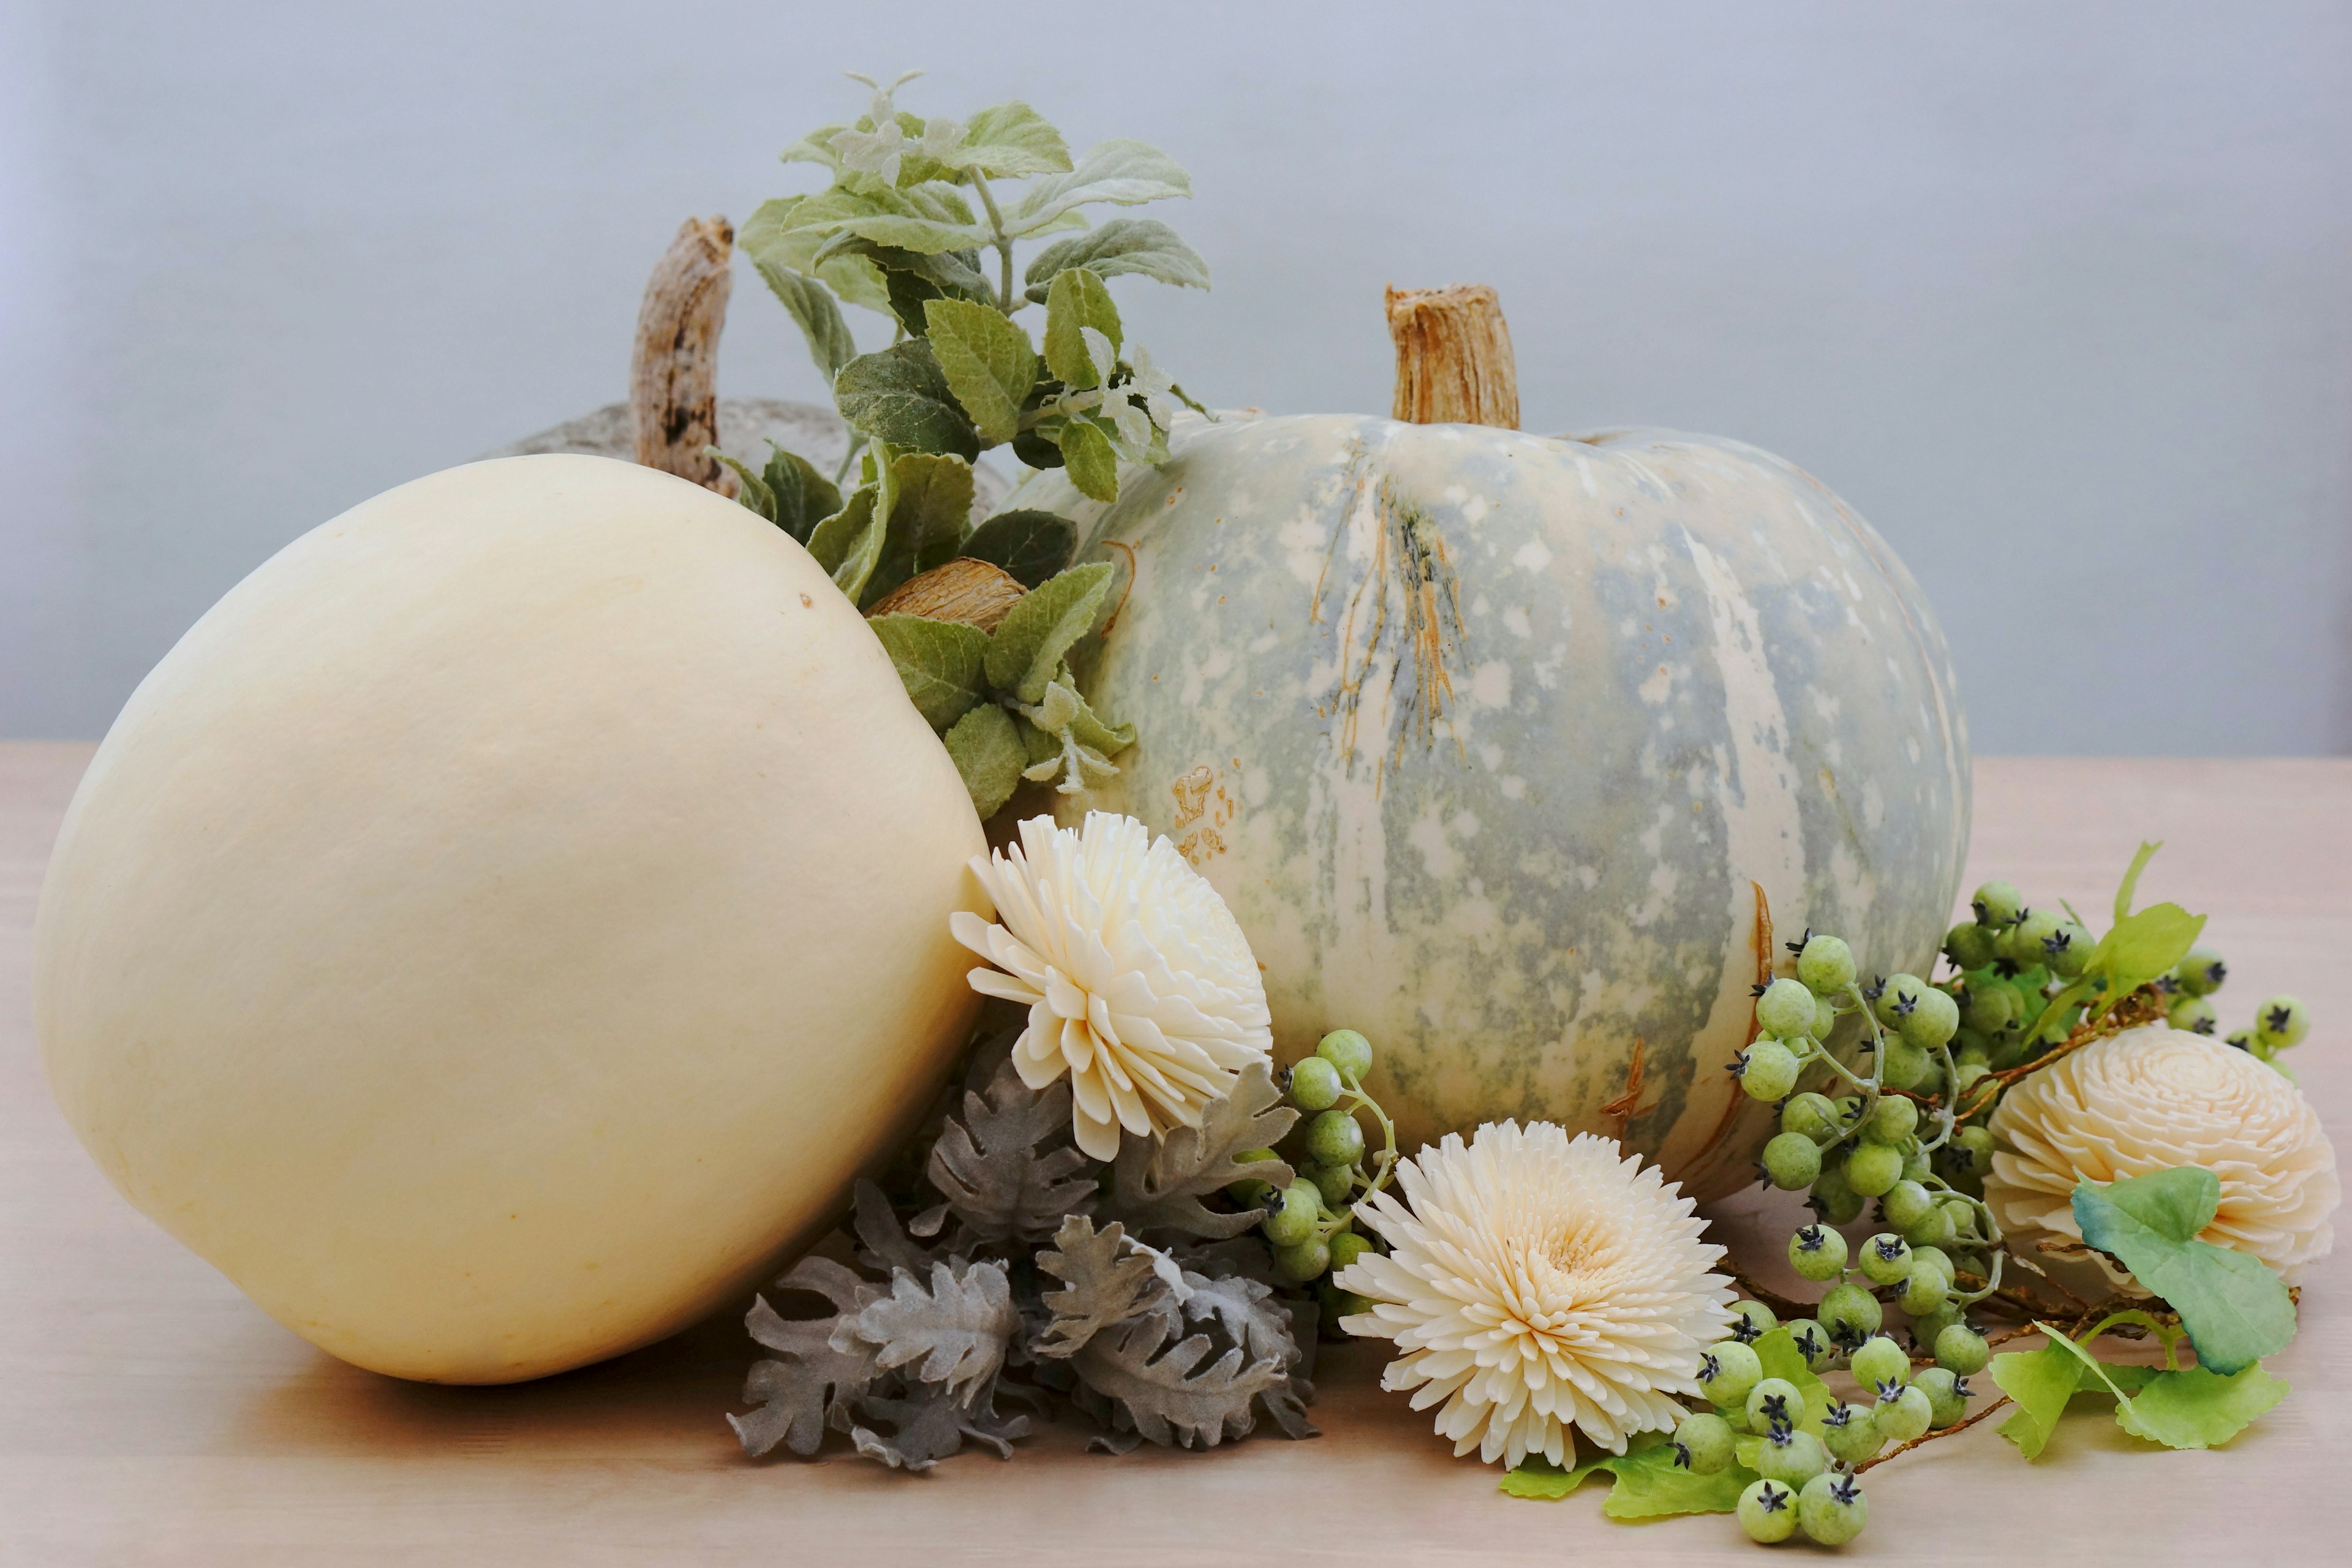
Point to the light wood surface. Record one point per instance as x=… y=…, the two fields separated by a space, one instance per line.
x=152 y=1416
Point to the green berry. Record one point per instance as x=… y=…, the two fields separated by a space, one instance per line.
x=1785 y=1008
x=1768 y=1511
x=1905 y=1203
x=1251 y=1193
x=1347 y=1246
x=2194 y=1014
x=1728 y=1373
x=1997 y=904
x=1968 y=1154
x=2068 y=952
x=1891 y=1120
x=1933 y=1022
x=1967 y=1046
x=1928 y=1290
x=1932 y=1228
x=2243 y=1038
x=1849 y=1434
x=1915 y=1165
x=1335 y=1139
x=1294 y=1221
x=1886 y=1259
x=1966 y=1075
x=1992 y=1008
x=1774 y=1399
x=1812 y=1342
x=1751 y=1320
x=2280 y=1022
x=1902 y=1065
x=1968 y=945
x=1304 y=1260
x=1809 y=1115
x=1948 y=1394
x=1832 y=1509
x=1833 y=1196
x=1792 y=1162
x=1880 y=1365
x=1314 y=1085
x=1960 y=1348
x=1933 y=1259
x=1905 y=1415
x=1850 y=1313
x=2032 y=937
x=1704 y=1444
x=2201 y=972
x=1826 y=965
x=1825 y=1017
x=1768 y=1068
x=1926 y=1328
x=1336 y=1182
x=1346 y=1050
x=1791 y=1454
x=1872 y=1169
x=1818 y=1253
x=1898 y=998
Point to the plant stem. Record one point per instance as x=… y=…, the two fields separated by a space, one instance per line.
x=1005 y=300
x=1960 y=1425
x=1782 y=1306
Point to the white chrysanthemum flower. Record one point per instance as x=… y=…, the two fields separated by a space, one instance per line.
x=2150 y=1099
x=1538 y=1284
x=1140 y=982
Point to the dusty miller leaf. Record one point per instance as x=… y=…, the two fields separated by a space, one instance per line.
x=1029 y=545
x=1158 y=1187
x=927 y=1426
x=2235 y=1309
x=941 y=663
x=1165 y=1392
x=1006 y=1167
x=799 y=1395
x=883 y=1245
x=986 y=749
x=959 y=1328
x=1028 y=648
x=1107 y=1280
x=1136 y=245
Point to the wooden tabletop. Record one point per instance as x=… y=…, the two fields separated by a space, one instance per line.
x=149 y=1414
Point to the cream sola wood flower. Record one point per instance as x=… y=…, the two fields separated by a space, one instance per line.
x=2150 y=1099
x=1139 y=981
x=1537 y=1283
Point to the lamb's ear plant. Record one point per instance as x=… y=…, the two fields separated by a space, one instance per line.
x=922 y=225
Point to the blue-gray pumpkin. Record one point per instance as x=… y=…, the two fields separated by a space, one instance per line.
x=1500 y=746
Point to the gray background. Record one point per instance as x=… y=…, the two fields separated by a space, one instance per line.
x=2059 y=296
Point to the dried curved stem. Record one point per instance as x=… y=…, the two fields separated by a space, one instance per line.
x=674 y=370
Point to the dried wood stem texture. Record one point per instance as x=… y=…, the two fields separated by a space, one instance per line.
x=974 y=592
x=674 y=371
x=1454 y=363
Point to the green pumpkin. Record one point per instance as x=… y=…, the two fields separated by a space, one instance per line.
x=1491 y=740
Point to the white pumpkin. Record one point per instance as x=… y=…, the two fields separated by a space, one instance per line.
x=506 y=922
x=1489 y=740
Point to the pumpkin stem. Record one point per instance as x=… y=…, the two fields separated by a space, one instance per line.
x=1454 y=357
x=673 y=373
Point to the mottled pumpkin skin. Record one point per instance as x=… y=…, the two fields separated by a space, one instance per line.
x=1490 y=739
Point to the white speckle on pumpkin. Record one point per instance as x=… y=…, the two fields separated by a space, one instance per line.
x=1479 y=606
x=1513 y=786
x=1438 y=858
x=1491 y=686
x=1515 y=621
x=1911 y=746
x=1825 y=703
x=1658 y=688
x=1873 y=805
x=1532 y=556
x=1474 y=508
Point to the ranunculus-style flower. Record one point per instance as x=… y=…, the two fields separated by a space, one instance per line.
x=1138 y=982
x=2150 y=1099
x=1537 y=1283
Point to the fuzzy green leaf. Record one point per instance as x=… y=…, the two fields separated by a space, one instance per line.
x=753 y=493
x=1092 y=461
x=1122 y=172
x=2039 y=1383
x=2235 y=1309
x=988 y=362
x=1137 y=245
x=1041 y=627
x=1074 y=301
x=850 y=542
x=1029 y=545
x=942 y=664
x=900 y=395
x=930 y=513
x=987 y=752
x=812 y=308
x=924 y=236
x=803 y=497
x=1009 y=141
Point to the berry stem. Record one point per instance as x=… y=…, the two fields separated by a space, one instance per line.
x=1931 y=1434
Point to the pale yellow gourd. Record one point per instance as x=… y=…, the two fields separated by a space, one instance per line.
x=504 y=924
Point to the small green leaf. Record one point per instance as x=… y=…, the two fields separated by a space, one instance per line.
x=2039 y=1383
x=2198 y=1408
x=1650 y=1485
x=753 y=494
x=900 y=395
x=850 y=542
x=1122 y=172
x=1092 y=461
x=988 y=362
x=2235 y=1309
x=1074 y=301
x=812 y=308
x=2129 y=887
x=2145 y=945
x=987 y=751
x=803 y=497
x=1777 y=1350
x=922 y=235
x=1538 y=1477
x=1062 y=711
x=941 y=663
x=1041 y=627
x=1139 y=245
x=1029 y=545
x=930 y=513
x=1009 y=141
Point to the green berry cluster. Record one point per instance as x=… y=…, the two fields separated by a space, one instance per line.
x=1309 y=1223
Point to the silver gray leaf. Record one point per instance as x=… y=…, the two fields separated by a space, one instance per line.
x=816 y=1382
x=1164 y=1392
x=959 y=1328
x=1157 y=1186
x=1108 y=1280
x=885 y=1245
x=1246 y=1310
x=1006 y=1168
x=927 y=1426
